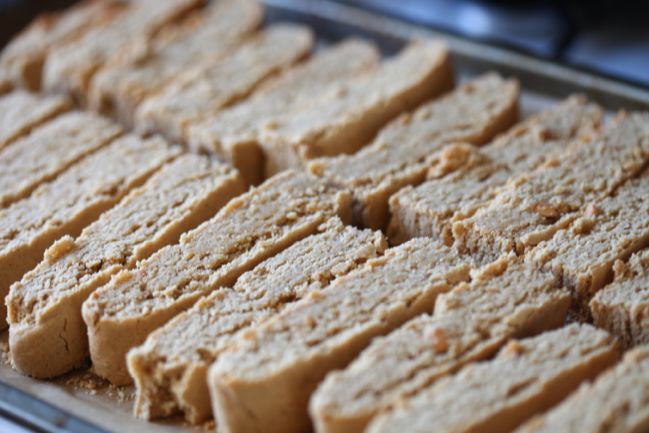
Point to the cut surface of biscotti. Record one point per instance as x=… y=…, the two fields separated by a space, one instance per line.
x=406 y=148
x=47 y=335
x=72 y=201
x=431 y=208
x=170 y=368
x=527 y=377
x=471 y=322
x=20 y=112
x=279 y=364
x=618 y=401
x=250 y=229
x=354 y=111
x=213 y=32
x=199 y=93
x=49 y=150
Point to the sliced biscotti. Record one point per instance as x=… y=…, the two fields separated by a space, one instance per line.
x=233 y=133
x=279 y=363
x=405 y=149
x=250 y=229
x=354 y=111
x=507 y=299
x=49 y=150
x=618 y=401
x=534 y=206
x=72 y=201
x=20 y=112
x=170 y=368
x=526 y=378
x=47 y=334
x=213 y=32
x=199 y=93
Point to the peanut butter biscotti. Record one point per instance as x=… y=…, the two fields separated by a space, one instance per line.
x=47 y=335
x=470 y=323
x=199 y=93
x=72 y=201
x=526 y=378
x=250 y=229
x=278 y=364
x=170 y=369
x=49 y=150
x=405 y=149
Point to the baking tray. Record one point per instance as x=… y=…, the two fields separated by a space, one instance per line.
x=82 y=403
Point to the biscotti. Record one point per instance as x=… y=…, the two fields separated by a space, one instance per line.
x=214 y=32
x=615 y=402
x=278 y=364
x=47 y=335
x=404 y=150
x=170 y=368
x=49 y=150
x=526 y=378
x=506 y=300
x=250 y=229
x=199 y=93
x=72 y=201
x=355 y=110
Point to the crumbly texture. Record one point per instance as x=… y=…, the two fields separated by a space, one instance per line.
x=407 y=148
x=508 y=299
x=72 y=201
x=278 y=364
x=250 y=229
x=49 y=150
x=618 y=401
x=431 y=208
x=527 y=377
x=47 y=333
x=170 y=369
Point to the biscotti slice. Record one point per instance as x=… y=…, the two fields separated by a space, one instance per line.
x=47 y=335
x=233 y=132
x=405 y=149
x=534 y=206
x=20 y=112
x=470 y=323
x=618 y=401
x=72 y=201
x=199 y=93
x=49 y=150
x=431 y=208
x=278 y=364
x=213 y=32
x=250 y=229
x=527 y=377
x=170 y=368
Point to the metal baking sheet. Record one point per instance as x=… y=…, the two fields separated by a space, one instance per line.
x=82 y=403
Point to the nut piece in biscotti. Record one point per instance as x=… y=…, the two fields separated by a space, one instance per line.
x=470 y=323
x=47 y=335
x=250 y=229
x=20 y=112
x=201 y=92
x=233 y=132
x=49 y=150
x=278 y=364
x=170 y=368
x=208 y=34
x=527 y=377
x=431 y=208
x=408 y=147
x=534 y=206
x=72 y=201
x=618 y=401
x=353 y=111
